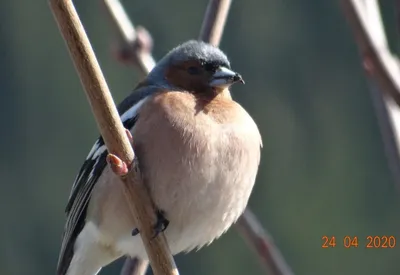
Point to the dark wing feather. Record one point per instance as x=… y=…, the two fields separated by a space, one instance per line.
x=87 y=177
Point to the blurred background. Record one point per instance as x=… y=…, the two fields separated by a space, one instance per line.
x=323 y=170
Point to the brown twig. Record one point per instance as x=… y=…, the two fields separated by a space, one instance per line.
x=382 y=68
x=113 y=132
x=211 y=32
x=262 y=243
x=214 y=21
x=378 y=61
x=135 y=44
x=134 y=266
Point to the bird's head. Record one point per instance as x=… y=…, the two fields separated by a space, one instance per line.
x=196 y=67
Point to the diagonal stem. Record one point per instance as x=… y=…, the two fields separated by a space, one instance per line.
x=214 y=21
x=113 y=132
x=136 y=42
x=382 y=69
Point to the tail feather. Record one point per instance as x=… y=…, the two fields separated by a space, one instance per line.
x=87 y=256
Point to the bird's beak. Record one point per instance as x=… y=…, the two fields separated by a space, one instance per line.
x=224 y=78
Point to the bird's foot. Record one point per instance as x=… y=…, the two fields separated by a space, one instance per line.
x=160 y=226
x=135 y=231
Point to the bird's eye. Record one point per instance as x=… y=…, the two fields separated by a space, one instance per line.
x=193 y=70
x=210 y=67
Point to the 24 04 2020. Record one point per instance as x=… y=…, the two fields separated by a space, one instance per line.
x=355 y=241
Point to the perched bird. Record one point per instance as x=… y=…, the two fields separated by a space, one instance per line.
x=198 y=152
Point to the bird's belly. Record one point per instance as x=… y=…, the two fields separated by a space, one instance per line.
x=199 y=172
x=205 y=210
x=202 y=192
x=200 y=204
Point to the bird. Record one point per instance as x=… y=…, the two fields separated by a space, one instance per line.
x=198 y=152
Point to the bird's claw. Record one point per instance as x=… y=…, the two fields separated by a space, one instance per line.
x=160 y=226
x=135 y=231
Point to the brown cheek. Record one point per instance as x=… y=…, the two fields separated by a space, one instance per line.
x=176 y=77
x=179 y=76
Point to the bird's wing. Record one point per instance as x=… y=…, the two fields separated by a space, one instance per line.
x=88 y=175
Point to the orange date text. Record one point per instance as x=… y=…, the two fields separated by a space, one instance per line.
x=355 y=241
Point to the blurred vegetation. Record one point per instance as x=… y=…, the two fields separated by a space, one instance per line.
x=323 y=168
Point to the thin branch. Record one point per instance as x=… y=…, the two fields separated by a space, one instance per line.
x=248 y=225
x=262 y=243
x=113 y=133
x=134 y=266
x=383 y=70
x=135 y=44
x=214 y=21
x=373 y=46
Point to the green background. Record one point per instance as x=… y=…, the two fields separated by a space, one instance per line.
x=323 y=170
